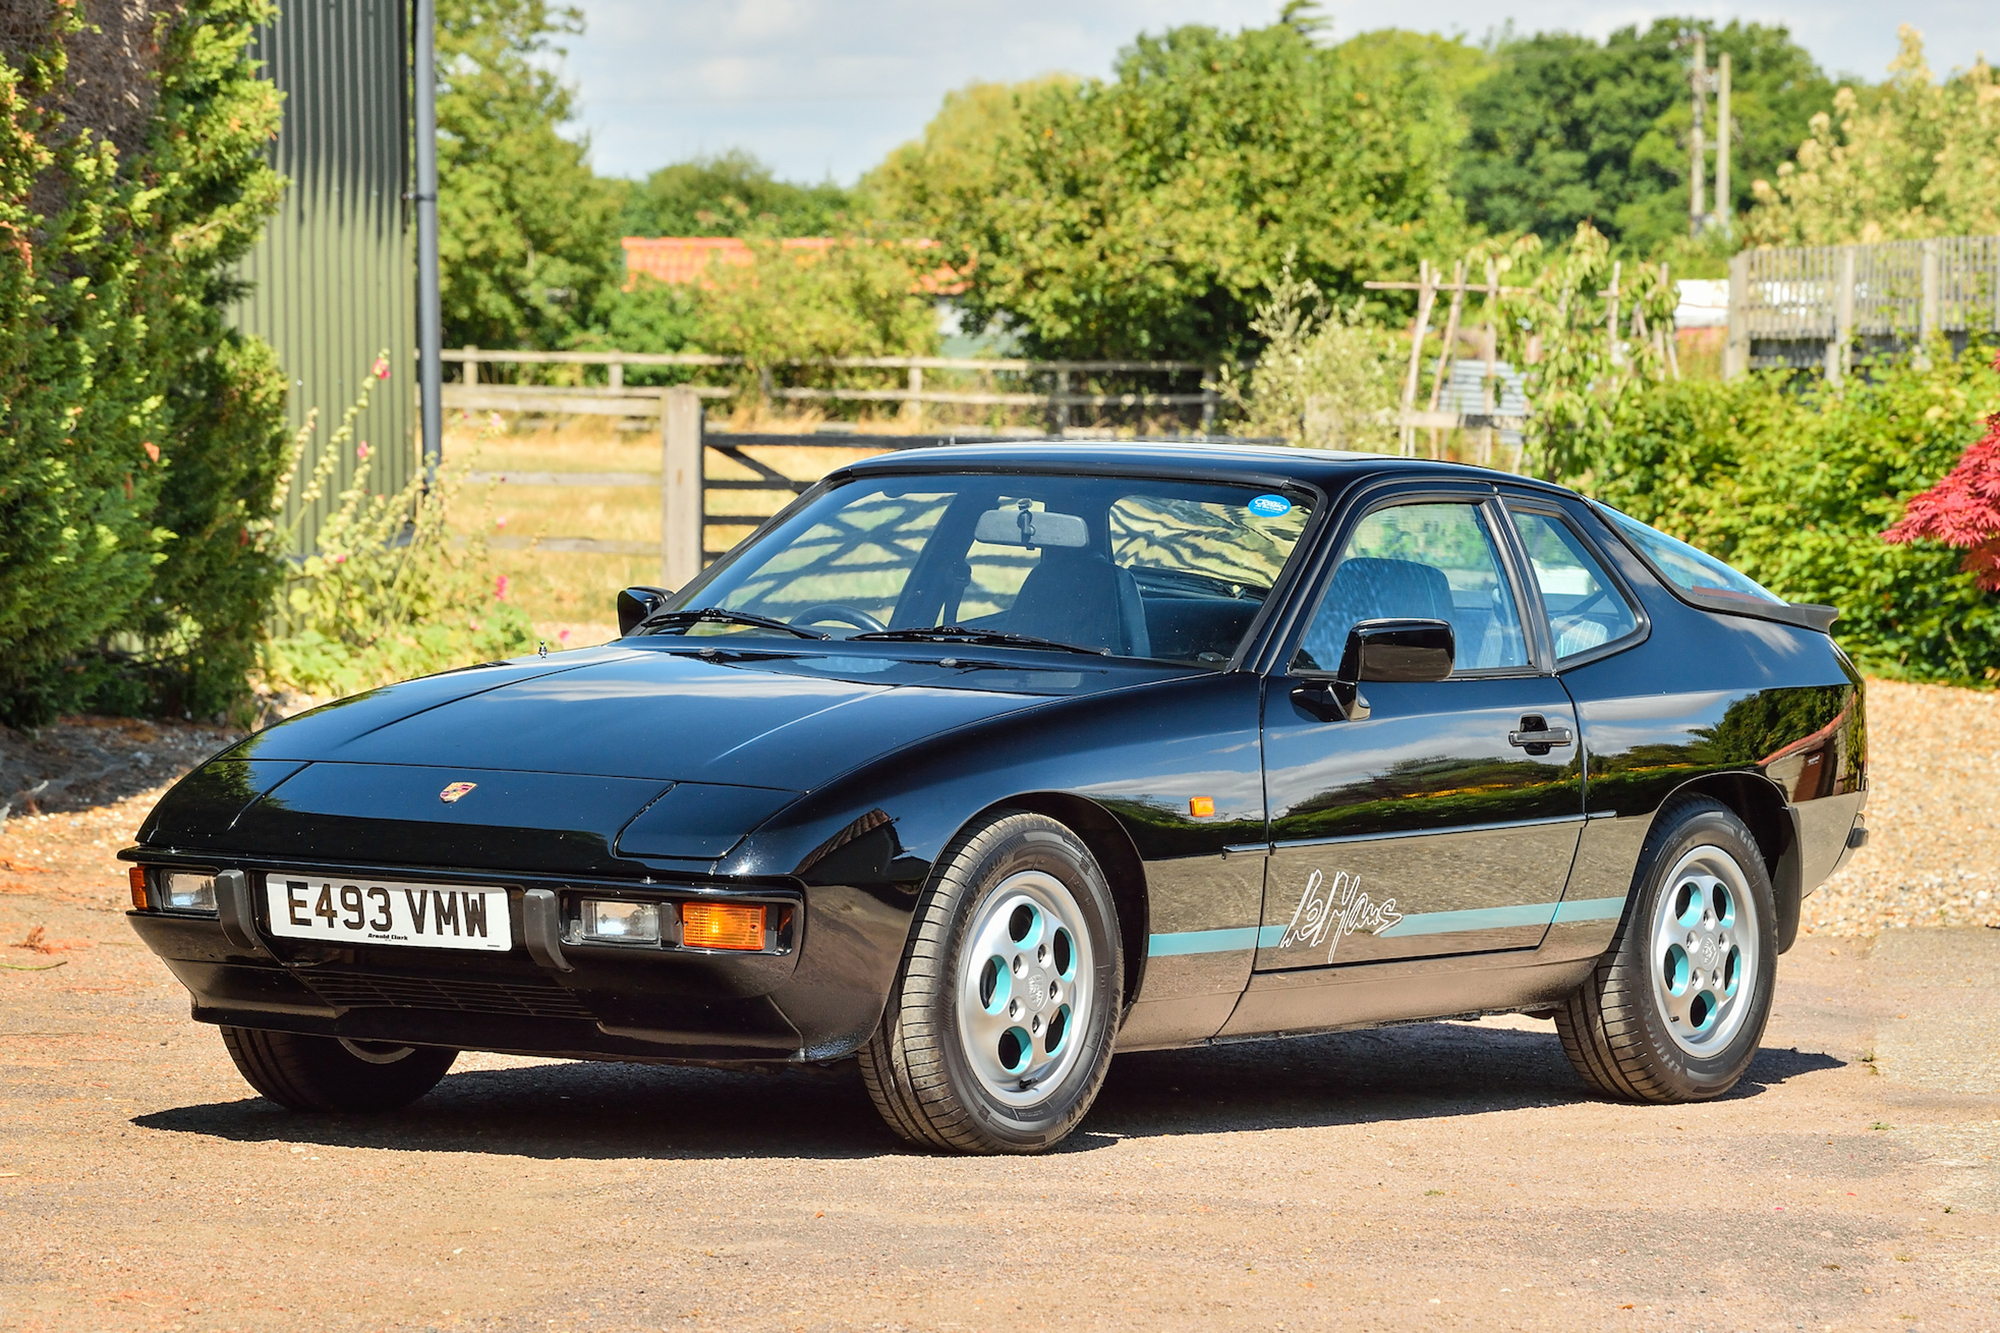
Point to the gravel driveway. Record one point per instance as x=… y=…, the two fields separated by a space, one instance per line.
x=1444 y=1175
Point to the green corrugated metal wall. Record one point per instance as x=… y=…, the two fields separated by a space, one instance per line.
x=332 y=280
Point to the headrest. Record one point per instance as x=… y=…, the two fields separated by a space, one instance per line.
x=1025 y=527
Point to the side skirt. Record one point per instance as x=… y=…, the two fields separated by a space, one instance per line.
x=1375 y=994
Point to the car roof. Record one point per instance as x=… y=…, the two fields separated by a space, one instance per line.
x=1328 y=469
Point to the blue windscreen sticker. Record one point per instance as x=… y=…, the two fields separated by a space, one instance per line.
x=1270 y=506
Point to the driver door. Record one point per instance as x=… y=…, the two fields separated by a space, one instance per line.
x=1438 y=823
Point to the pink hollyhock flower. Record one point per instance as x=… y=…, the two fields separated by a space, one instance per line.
x=381 y=368
x=361 y=451
x=500 y=589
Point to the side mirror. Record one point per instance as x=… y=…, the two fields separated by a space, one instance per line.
x=635 y=604
x=1378 y=650
x=1398 y=650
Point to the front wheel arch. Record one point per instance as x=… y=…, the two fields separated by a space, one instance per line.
x=1116 y=856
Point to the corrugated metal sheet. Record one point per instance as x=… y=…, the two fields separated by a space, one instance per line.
x=332 y=281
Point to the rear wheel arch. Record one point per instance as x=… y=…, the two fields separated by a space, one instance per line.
x=1116 y=856
x=1761 y=805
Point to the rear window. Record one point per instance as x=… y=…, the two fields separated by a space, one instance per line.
x=1691 y=570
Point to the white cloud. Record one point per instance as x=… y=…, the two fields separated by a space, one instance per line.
x=826 y=87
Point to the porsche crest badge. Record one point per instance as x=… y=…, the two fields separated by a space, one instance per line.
x=457 y=789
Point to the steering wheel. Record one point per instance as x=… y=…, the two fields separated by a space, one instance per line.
x=839 y=614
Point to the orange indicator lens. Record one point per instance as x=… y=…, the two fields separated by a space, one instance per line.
x=721 y=926
x=1201 y=806
x=137 y=876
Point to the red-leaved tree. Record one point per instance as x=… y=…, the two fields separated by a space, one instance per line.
x=1963 y=509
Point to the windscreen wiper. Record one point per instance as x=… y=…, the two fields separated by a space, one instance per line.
x=716 y=615
x=966 y=634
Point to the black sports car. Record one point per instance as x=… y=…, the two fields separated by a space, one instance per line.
x=983 y=762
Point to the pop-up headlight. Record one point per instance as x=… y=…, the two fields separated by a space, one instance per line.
x=607 y=921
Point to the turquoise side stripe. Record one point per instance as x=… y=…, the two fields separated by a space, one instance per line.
x=1477 y=918
x=1202 y=941
x=1238 y=938
x=1590 y=909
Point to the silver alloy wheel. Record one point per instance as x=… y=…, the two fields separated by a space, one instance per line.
x=1704 y=954
x=1024 y=988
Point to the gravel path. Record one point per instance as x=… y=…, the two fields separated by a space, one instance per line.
x=1934 y=826
x=1442 y=1175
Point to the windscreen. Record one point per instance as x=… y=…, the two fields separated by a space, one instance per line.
x=1129 y=567
x=1689 y=569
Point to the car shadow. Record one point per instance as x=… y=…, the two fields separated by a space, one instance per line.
x=1409 y=1072
x=604 y=1111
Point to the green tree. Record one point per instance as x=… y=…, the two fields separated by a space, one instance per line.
x=528 y=235
x=1148 y=215
x=1568 y=130
x=729 y=194
x=1909 y=159
x=921 y=186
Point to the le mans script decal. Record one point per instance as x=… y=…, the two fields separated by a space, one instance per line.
x=1328 y=910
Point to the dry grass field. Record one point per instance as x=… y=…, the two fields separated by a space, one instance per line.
x=568 y=594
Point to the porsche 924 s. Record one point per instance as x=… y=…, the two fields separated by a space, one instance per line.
x=982 y=763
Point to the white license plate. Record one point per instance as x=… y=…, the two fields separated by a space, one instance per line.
x=345 y=910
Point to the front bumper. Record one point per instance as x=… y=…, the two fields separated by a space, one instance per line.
x=617 y=1002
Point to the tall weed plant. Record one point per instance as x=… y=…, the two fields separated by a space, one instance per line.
x=1326 y=378
x=386 y=593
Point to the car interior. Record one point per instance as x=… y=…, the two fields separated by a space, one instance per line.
x=1153 y=570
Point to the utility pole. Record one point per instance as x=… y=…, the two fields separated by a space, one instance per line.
x=1697 y=149
x=1723 y=203
x=430 y=322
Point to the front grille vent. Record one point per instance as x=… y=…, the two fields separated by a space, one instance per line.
x=520 y=999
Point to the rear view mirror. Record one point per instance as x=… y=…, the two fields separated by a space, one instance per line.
x=635 y=604
x=1378 y=650
x=1397 y=650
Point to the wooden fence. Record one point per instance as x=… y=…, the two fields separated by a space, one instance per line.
x=1055 y=402
x=1814 y=306
x=683 y=484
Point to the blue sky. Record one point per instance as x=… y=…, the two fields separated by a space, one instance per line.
x=824 y=88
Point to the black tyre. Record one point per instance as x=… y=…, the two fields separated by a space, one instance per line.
x=1676 y=1008
x=333 y=1074
x=998 y=1033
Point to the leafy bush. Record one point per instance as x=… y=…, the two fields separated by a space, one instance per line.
x=1795 y=488
x=137 y=435
x=386 y=594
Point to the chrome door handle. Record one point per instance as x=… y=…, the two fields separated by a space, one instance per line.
x=1547 y=738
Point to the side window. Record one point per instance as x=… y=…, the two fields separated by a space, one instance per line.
x=1424 y=562
x=1585 y=608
